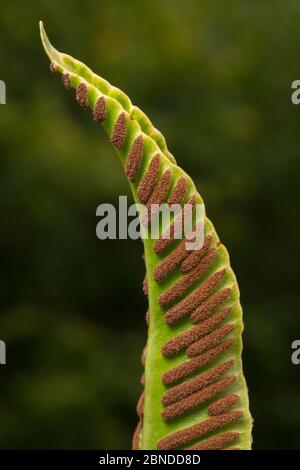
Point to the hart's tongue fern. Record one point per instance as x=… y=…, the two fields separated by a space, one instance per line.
x=195 y=395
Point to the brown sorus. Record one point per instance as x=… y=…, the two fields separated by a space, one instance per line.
x=66 y=80
x=143 y=356
x=157 y=197
x=170 y=262
x=134 y=159
x=197 y=398
x=174 y=232
x=188 y=367
x=184 y=339
x=177 y=439
x=217 y=442
x=149 y=180
x=82 y=95
x=178 y=192
x=193 y=300
x=185 y=283
x=222 y=405
x=188 y=387
x=195 y=256
x=145 y=285
x=209 y=305
x=119 y=132
x=99 y=111
x=52 y=67
x=209 y=341
x=140 y=405
x=136 y=436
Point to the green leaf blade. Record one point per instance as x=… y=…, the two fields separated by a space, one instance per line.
x=193 y=419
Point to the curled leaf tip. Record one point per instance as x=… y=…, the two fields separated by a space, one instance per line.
x=51 y=52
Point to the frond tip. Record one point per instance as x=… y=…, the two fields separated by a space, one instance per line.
x=195 y=394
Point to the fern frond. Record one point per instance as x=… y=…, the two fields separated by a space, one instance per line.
x=195 y=394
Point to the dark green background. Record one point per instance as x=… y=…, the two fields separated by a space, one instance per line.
x=215 y=77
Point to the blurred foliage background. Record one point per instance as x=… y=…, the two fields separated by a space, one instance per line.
x=216 y=78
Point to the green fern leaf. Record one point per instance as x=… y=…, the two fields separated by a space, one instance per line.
x=195 y=394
